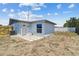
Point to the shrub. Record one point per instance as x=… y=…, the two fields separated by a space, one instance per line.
x=5 y=30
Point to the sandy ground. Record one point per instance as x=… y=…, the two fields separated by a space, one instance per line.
x=59 y=44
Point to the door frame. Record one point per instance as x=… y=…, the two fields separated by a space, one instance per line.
x=23 y=30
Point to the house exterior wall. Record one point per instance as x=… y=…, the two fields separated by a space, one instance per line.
x=49 y=28
x=34 y=27
x=19 y=28
x=24 y=28
x=16 y=28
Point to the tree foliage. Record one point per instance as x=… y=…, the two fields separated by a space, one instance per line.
x=73 y=22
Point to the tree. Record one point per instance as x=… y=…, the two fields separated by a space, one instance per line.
x=73 y=22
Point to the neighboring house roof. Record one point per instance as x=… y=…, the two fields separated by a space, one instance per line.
x=15 y=20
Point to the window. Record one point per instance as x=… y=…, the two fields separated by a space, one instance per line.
x=39 y=28
x=39 y=25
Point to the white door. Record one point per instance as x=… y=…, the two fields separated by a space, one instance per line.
x=24 y=30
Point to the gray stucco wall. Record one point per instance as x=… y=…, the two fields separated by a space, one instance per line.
x=16 y=28
x=49 y=28
x=19 y=28
x=34 y=27
x=46 y=27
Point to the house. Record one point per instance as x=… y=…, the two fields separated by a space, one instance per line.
x=32 y=27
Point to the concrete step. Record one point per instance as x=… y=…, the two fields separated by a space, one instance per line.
x=31 y=37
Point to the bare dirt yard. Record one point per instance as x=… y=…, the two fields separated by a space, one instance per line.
x=57 y=44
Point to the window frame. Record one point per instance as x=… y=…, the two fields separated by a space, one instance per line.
x=39 y=28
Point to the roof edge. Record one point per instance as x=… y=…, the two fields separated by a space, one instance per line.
x=16 y=20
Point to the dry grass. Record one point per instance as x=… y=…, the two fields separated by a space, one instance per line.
x=65 y=44
x=5 y=30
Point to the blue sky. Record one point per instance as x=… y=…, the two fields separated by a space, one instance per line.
x=55 y=12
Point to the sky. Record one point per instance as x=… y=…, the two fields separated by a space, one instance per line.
x=55 y=12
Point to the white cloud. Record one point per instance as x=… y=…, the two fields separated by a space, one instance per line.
x=71 y=5
x=36 y=8
x=32 y=4
x=7 y=11
x=4 y=10
x=65 y=12
x=11 y=15
x=3 y=3
x=49 y=14
x=26 y=4
x=42 y=5
x=11 y=10
x=24 y=16
x=56 y=13
x=36 y=17
x=59 y=6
